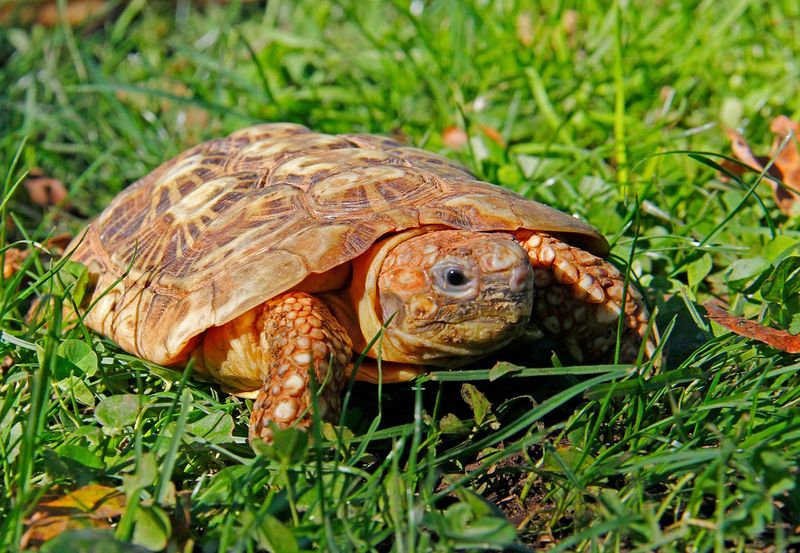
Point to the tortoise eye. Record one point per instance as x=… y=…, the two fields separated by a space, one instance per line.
x=455 y=277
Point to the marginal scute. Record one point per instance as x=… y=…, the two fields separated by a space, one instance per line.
x=236 y=221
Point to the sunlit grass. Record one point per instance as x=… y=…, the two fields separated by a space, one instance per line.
x=614 y=113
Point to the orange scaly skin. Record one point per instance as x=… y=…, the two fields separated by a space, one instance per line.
x=300 y=333
x=578 y=297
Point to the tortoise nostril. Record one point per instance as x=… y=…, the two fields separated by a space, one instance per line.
x=421 y=307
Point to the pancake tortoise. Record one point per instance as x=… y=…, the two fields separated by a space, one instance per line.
x=278 y=250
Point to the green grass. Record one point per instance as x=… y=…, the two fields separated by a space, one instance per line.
x=597 y=105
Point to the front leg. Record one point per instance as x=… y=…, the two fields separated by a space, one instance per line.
x=578 y=299
x=280 y=341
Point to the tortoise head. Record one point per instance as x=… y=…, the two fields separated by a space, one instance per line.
x=452 y=296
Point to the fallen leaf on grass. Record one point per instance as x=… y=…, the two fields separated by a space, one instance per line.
x=94 y=499
x=91 y=506
x=524 y=26
x=47 y=12
x=786 y=165
x=45 y=191
x=52 y=247
x=6 y=364
x=493 y=135
x=454 y=138
x=569 y=21
x=788 y=160
x=12 y=261
x=778 y=339
x=57 y=245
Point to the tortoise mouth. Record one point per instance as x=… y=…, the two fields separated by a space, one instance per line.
x=473 y=336
x=499 y=311
x=440 y=346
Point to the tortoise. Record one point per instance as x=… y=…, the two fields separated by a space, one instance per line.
x=276 y=251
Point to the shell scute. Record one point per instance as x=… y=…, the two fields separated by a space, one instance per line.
x=366 y=188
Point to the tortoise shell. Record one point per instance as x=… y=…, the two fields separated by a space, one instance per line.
x=233 y=222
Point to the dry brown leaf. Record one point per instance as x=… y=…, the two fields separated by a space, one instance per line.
x=46 y=12
x=786 y=165
x=90 y=506
x=54 y=247
x=41 y=529
x=95 y=499
x=77 y=11
x=453 y=137
x=569 y=20
x=493 y=135
x=7 y=363
x=45 y=191
x=525 y=28
x=13 y=261
x=58 y=244
x=778 y=339
x=741 y=149
x=731 y=167
x=787 y=160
